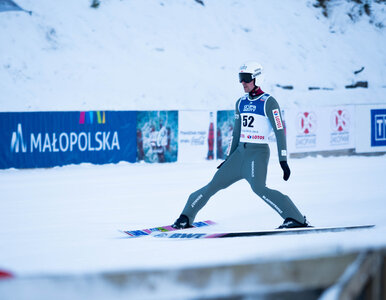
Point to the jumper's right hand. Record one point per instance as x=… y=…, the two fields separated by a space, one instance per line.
x=286 y=170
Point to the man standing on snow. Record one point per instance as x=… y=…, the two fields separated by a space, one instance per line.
x=257 y=114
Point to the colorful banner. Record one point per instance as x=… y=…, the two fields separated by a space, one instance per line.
x=47 y=139
x=196 y=135
x=225 y=123
x=157 y=136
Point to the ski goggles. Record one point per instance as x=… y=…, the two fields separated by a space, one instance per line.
x=246 y=77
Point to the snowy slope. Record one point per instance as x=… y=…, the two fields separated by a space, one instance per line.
x=152 y=54
x=66 y=220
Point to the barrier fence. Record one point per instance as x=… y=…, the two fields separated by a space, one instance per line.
x=48 y=139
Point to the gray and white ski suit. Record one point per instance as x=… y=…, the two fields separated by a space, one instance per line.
x=248 y=157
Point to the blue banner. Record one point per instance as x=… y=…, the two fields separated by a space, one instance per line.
x=47 y=139
x=378 y=127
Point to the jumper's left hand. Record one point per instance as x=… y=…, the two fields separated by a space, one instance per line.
x=286 y=170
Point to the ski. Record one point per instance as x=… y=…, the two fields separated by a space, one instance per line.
x=164 y=229
x=303 y=230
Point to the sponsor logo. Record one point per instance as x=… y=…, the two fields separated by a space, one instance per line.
x=340 y=120
x=340 y=125
x=306 y=126
x=249 y=107
x=306 y=123
x=63 y=141
x=254 y=137
x=257 y=72
x=17 y=141
x=195 y=201
x=194 y=138
x=283 y=152
x=185 y=235
x=278 y=122
x=272 y=204
x=89 y=117
x=253 y=168
x=378 y=127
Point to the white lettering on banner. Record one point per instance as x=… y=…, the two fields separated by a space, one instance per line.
x=380 y=124
x=36 y=143
x=46 y=142
x=54 y=140
x=62 y=148
x=82 y=148
x=17 y=140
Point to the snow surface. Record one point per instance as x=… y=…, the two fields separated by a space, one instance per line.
x=66 y=219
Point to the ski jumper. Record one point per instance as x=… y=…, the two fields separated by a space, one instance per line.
x=256 y=115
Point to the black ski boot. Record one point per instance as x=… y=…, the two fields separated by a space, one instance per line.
x=181 y=223
x=292 y=223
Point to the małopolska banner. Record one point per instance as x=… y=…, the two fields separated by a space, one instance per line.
x=47 y=139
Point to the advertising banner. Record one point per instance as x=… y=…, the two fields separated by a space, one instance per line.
x=47 y=139
x=320 y=128
x=371 y=128
x=225 y=123
x=157 y=136
x=196 y=135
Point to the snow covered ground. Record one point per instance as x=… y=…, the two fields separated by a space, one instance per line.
x=66 y=220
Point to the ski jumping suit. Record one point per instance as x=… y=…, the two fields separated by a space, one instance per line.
x=256 y=115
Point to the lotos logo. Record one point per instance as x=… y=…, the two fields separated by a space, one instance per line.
x=340 y=120
x=306 y=123
x=255 y=137
x=278 y=122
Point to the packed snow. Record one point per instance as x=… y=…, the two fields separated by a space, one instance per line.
x=66 y=219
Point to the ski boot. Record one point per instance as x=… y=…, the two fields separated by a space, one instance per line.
x=292 y=223
x=181 y=223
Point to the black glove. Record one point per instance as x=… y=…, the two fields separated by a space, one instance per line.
x=286 y=170
x=219 y=166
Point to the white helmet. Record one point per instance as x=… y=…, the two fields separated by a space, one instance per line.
x=251 y=70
